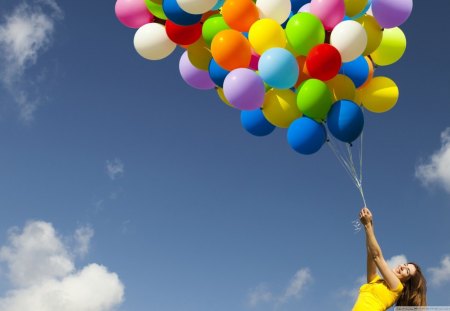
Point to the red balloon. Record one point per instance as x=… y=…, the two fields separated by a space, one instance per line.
x=183 y=35
x=323 y=62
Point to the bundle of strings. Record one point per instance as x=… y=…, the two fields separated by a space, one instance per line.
x=349 y=155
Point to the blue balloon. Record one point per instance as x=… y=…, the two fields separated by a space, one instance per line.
x=357 y=70
x=345 y=120
x=177 y=15
x=217 y=73
x=218 y=5
x=254 y=122
x=285 y=23
x=278 y=68
x=306 y=136
x=297 y=4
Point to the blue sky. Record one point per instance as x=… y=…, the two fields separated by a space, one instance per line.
x=114 y=170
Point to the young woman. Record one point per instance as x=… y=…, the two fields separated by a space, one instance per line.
x=404 y=284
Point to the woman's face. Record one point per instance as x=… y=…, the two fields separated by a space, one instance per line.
x=404 y=271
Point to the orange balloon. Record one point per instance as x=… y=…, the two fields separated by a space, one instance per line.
x=240 y=14
x=304 y=74
x=231 y=50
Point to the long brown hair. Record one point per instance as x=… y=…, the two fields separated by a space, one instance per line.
x=414 y=290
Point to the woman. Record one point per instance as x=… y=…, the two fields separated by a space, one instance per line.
x=404 y=284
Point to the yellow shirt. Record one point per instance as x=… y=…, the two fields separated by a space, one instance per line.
x=376 y=296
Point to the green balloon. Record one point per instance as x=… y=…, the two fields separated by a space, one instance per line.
x=156 y=9
x=212 y=26
x=303 y=32
x=314 y=99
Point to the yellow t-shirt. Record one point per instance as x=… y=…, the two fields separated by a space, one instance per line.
x=376 y=296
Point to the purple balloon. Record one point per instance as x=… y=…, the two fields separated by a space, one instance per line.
x=391 y=13
x=244 y=89
x=193 y=76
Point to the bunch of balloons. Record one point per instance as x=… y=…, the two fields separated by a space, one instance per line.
x=294 y=64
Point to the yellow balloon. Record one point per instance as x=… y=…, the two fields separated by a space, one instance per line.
x=354 y=7
x=374 y=33
x=199 y=54
x=266 y=34
x=380 y=95
x=222 y=97
x=341 y=87
x=391 y=48
x=280 y=107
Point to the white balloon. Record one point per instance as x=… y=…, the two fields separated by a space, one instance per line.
x=350 y=39
x=151 y=42
x=278 y=10
x=196 y=6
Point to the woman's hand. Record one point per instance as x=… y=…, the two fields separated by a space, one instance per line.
x=365 y=216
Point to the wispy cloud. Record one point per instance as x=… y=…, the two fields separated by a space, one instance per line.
x=436 y=170
x=25 y=34
x=261 y=294
x=114 y=168
x=83 y=236
x=441 y=274
x=43 y=275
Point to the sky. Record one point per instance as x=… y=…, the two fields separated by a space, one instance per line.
x=122 y=188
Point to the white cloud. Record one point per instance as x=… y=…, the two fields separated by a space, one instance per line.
x=83 y=238
x=44 y=278
x=437 y=169
x=114 y=168
x=24 y=35
x=262 y=294
x=441 y=274
x=394 y=261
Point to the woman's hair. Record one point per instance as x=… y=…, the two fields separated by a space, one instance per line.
x=415 y=290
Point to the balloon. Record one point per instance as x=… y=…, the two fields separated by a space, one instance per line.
x=323 y=62
x=199 y=54
x=223 y=98
x=177 y=15
x=345 y=121
x=193 y=76
x=278 y=68
x=303 y=32
x=183 y=35
x=254 y=122
x=304 y=74
x=314 y=99
x=133 y=13
x=196 y=6
x=341 y=87
x=217 y=73
x=357 y=70
x=365 y=11
x=371 y=71
x=156 y=9
x=390 y=13
x=380 y=95
x=374 y=33
x=330 y=12
x=151 y=42
x=391 y=49
x=231 y=49
x=240 y=14
x=277 y=10
x=354 y=7
x=297 y=4
x=266 y=34
x=254 y=61
x=280 y=107
x=350 y=38
x=306 y=8
x=244 y=89
x=306 y=136
x=212 y=26
x=218 y=5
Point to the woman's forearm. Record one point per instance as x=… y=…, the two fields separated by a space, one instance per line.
x=371 y=242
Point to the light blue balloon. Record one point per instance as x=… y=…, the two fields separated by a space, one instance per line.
x=345 y=120
x=218 y=5
x=254 y=122
x=278 y=68
x=306 y=136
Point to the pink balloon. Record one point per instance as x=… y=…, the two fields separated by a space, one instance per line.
x=254 y=61
x=330 y=12
x=133 y=13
